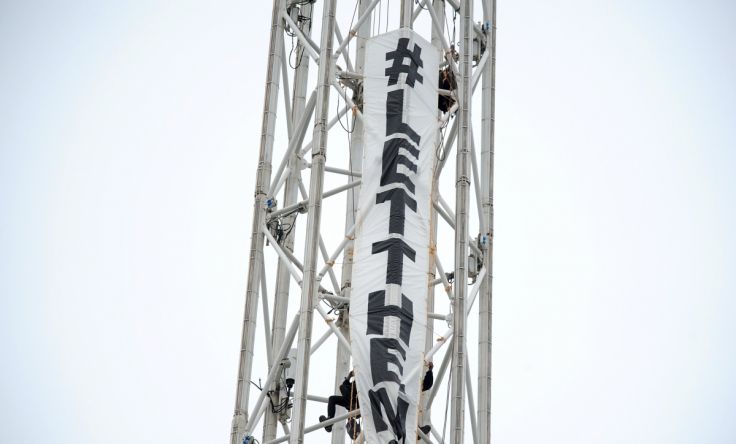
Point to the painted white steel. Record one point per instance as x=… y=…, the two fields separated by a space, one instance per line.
x=420 y=226
x=255 y=262
x=310 y=284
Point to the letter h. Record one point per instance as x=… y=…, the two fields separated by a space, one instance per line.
x=378 y=311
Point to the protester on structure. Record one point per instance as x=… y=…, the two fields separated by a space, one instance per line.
x=428 y=377
x=426 y=385
x=348 y=399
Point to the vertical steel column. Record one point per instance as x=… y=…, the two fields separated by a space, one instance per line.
x=263 y=179
x=342 y=364
x=291 y=194
x=406 y=13
x=316 y=186
x=462 y=193
x=486 y=291
x=437 y=33
x=439 y=8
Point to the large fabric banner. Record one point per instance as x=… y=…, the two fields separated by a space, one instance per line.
x=388 y=310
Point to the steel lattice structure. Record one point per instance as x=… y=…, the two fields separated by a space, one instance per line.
x=301 y=254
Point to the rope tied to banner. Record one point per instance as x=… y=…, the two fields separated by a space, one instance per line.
x=353 y=405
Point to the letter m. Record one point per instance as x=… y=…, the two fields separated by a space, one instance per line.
x=396 y=419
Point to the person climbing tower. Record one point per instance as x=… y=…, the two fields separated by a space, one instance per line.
x=348 y=399
x=427 y=383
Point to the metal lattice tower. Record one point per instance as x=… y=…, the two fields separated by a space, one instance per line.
x=301 y=253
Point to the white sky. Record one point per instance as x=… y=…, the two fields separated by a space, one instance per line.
x=128 y=144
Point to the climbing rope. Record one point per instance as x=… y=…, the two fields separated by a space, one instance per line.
x=352 y=404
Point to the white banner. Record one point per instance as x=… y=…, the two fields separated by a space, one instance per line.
x=388 y=309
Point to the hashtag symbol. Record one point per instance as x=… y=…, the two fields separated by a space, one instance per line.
x=398 y=66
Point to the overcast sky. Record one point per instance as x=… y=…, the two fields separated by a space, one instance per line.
x=128 y=145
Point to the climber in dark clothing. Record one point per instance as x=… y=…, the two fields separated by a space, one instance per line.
x=426 y=385
x=348 y=397
x=347 y=394
x=428 y=377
